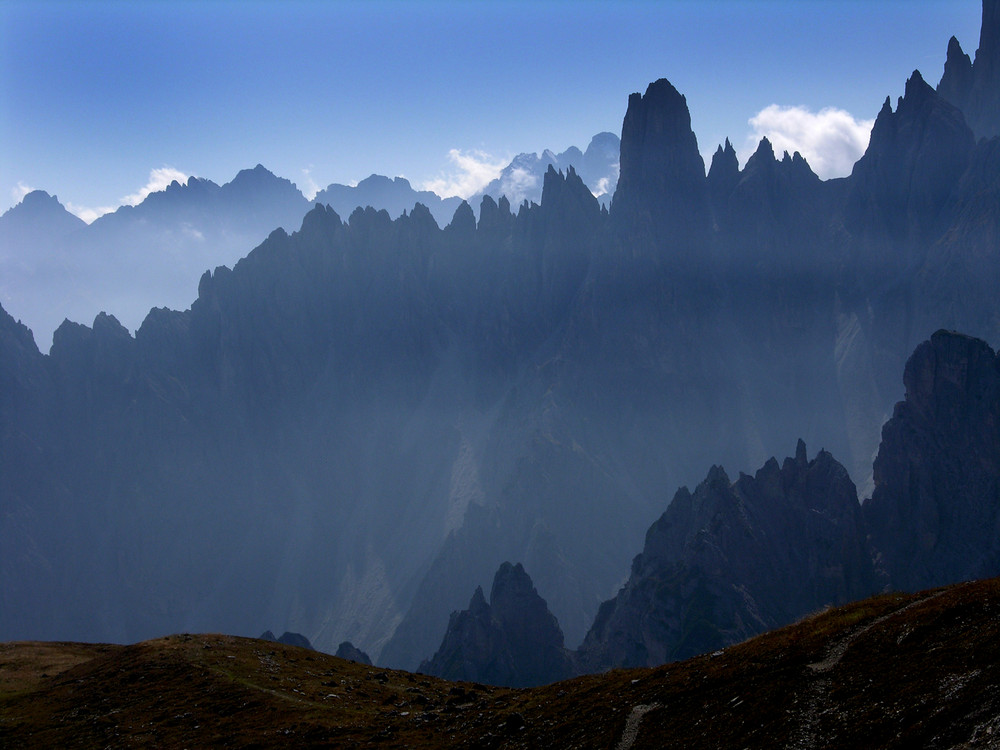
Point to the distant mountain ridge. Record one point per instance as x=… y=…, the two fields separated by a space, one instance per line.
x=393 y=195
x=54 y=267
x=598 y=167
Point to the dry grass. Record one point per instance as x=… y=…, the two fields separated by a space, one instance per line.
x=910 y=671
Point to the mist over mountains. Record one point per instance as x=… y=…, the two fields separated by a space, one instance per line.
x=353 y=427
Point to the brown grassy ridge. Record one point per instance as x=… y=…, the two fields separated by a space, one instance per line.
x=900 y=670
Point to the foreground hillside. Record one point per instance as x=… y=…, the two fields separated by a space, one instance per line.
x=914 y=670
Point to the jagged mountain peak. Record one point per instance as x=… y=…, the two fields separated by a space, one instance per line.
x=915 y=157
x=464 y=220
x=523 y=178
x=723 y=174
x=662 y=188
x=708 y=573
x=321 y=220
x=917 y=89
x=38 y=199
x=255 y=183
x=956 y=81
x=764 y=153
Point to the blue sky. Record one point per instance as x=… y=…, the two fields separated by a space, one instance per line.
x=95 y=96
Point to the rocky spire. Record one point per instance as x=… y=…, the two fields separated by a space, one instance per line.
x=662 y=189
x=513 y=640
x=956 y=82
x=975 y=87
x=723 y=174
x=734 y=558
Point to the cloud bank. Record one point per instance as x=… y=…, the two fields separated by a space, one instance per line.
x=474 y=170
x=831 y=140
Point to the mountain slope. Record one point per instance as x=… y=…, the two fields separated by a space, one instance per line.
x=896 y=671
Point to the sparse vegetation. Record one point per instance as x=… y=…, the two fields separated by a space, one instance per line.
x=900 y=670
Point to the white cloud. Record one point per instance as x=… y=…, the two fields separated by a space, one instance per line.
x=20 y=191
x=830 y=140
x=309 y=186
x=603 y=187
x=518 y=185
x=159 y=179
x=475 y=170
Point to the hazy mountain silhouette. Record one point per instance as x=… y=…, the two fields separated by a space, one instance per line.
x=522 y=179
x=393 y=195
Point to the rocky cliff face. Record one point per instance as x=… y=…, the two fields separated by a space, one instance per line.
x=733 y=559
x=935 y=512
x=512 y=641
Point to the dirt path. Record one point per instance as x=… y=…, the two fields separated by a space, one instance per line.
x=632 y=725
x=817 y=699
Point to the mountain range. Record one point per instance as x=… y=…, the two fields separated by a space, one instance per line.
x=55 y=267
x=357 y=424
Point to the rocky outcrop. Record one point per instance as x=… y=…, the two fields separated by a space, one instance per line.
x=723 y=176
x=935 y=513
x=733 y=559
x=513 y=640
x=956 y=81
